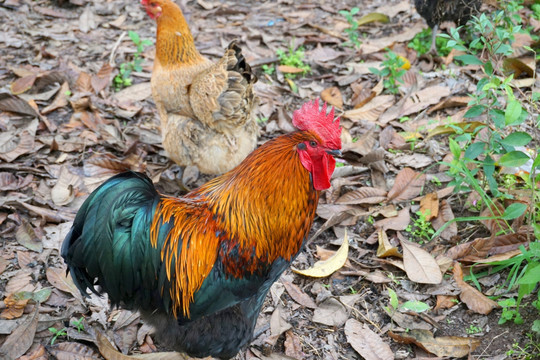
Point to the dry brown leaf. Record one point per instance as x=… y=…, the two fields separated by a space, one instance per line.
x=18 y=142
x=429 y=206
x=38 y=354
x=125 y=337
x=445 y=302
x=363 y=195
x=298 y=295
x=17 y=105
x=14 y=307
x=454 y=101
x=59 y=101
x=399 y=222
x=27 y=237
x=366 y=342
x=495 y=225
x=474 y=299
x=23 y=84
x=442 y=346
x=62 y=281
x=372 y=110
x=73 y=351
x=445 y=215
x=293 y=346
x=21 y=281
x=424 y=98
x=64 y=191
x=363 y=145
x=333 y=97
x=331 y=312
x=407 y=185
x=278 y=325
x=103 y=78
x=420 y=266
x=386 y=249
x=108 y=351
x=290 y=69
x=481 y=248
x=21 y=338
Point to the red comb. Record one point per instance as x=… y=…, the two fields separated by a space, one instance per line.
x=310 y=118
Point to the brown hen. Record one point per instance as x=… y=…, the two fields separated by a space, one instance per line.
x=206 y=109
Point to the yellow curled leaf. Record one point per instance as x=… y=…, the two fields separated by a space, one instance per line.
x=328 y=267
x=373 y=17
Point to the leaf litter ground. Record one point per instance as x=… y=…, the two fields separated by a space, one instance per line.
x=65 y=130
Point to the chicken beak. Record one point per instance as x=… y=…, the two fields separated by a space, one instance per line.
x=334 y=152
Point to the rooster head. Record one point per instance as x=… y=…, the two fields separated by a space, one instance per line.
x=317 y=153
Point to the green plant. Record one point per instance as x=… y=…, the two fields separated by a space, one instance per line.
x=57 y=333
x=391 y=72
x=500 y=143
x=422 y=43
x=351 y=31
x=530 y=350
x=536 y=11
x=262 y=120
x=473 y=329
x=421 y=229
x=123 y=78
x=294 y=58
x=268 y=69
x=78 y=324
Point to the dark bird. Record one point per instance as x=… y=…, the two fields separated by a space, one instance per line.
x=437 y=11
x=199 y=267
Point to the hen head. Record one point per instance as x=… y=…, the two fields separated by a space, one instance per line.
x=323 y=143
x=155 y=8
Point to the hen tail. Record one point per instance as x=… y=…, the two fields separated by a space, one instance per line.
x=109 y=244
x=240 y=65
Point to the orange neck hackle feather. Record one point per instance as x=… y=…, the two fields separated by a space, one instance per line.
x=264 y=209
x=174 y=42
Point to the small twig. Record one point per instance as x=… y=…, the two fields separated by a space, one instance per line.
x=115 y=47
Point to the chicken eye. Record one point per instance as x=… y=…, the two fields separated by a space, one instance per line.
x=312 y=143
x=153 y=4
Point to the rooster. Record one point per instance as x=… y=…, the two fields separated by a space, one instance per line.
x=206 y=109
x=437 y=11
x=199 y=267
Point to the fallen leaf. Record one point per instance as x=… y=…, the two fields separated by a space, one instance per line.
x=38 y=354
x=59 y=101
x=298 y=295
x=73 y=350
x=420 y=266
x=26 y=236
x=444 y=216
x=328 y=267
x=386 y=249
x=407 y=185
x=278 y=325
x=366 y=342
x=21 y=338
x=23 y=84
x=293 y=347
x=62 y=281
x=21 y=281
x=290 y=69
x=372 y=110
x=442 y=346
x=429 y=206
x=479 y=249
x=333 y=97
x=331 y=312
x=445 y=302
x=64 y=191
x=14 y=307
x=108 y=351
x=474 y=299
x=399 y=222
x=373 y=17
x=363 y=195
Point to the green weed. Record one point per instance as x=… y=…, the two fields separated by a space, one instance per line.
x=123 y=78
x=391 y=72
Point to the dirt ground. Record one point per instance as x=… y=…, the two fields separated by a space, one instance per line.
x=65 y=129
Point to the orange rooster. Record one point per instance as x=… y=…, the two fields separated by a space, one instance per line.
x=199 y=267
x=206 y=109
